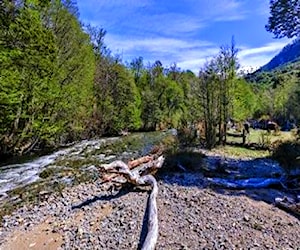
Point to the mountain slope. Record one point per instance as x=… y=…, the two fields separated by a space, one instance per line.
x=289 y=54
x=286 y=64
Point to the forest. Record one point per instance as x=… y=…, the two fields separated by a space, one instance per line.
x=61 y=83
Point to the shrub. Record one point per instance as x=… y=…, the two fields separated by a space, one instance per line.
x=288 y=155
x=264 y=139
x=187 y=136
x=190 y=161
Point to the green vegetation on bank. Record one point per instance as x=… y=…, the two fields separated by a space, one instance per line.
x=59 y=82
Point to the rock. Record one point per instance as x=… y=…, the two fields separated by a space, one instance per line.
x=246 y=217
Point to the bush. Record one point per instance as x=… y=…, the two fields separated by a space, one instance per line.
x=264 y=139
x=187 y=136
x=288 y=155
x=190 y=161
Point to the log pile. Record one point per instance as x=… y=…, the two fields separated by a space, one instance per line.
x=139 y=172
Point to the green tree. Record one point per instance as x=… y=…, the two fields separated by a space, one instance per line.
x=227 y=65
x=28 y=88
x=284 y=20
x=75 y=69
x=208 y=96
x=244 y=100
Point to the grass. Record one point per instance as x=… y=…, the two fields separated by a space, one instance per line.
x=262 y=136
x=240 y=152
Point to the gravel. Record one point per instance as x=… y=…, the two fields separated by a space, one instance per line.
x=191 y=216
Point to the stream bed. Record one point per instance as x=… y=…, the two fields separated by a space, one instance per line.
x=81 y=158
x=28 y=182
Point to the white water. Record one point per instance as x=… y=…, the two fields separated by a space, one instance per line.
x=18 y=175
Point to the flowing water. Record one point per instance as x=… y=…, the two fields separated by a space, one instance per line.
x=83 y=154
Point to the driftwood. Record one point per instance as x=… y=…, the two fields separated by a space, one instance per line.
x=289 y=204
x=113 y=173
x=141 y=175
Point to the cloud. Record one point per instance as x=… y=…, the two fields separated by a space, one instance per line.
x=165 y=17
x=221 y=10
x=187 y=54
x=187 y=32
x=270 y=47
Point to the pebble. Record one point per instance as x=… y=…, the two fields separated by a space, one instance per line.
x=191 y=216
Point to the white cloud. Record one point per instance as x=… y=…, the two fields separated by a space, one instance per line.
x=172 y=31
x=270 y=47
x=221 y=10
x=187 y=54
x=158 y=44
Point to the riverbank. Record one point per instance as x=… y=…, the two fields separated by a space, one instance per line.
x=193 y=212
x=192 y=215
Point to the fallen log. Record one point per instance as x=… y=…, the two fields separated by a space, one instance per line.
x=288 y=204
x=142 y=176
x=131 y=165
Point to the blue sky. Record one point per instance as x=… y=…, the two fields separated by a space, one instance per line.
x=185 y=32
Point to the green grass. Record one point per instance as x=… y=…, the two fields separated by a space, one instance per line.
x=262 y=136
x=240 y=152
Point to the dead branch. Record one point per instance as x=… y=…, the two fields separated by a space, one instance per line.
x=288 y=204
x=142 y=176
x=131 y=164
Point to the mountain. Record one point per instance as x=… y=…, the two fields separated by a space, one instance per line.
x=289 y=54
x=286 y=62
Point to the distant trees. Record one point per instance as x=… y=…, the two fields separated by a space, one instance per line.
x=284 y=20
x=276 y=92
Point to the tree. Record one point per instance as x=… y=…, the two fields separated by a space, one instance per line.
x=244 y=100
x=75 y=69
x=284 y=20
x=137 y=68
x=216 y=92
x=207 y=92
x=227 y=66
x=28 y=88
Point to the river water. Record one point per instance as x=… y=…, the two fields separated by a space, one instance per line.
x=20 y=174
x=86 y=154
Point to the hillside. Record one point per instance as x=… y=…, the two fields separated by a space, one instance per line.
x=289 y=54
x=286 y=62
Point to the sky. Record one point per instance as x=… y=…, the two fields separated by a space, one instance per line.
x=185 y=32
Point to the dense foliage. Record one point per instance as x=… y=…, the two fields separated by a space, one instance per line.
x=59 y=82
x=284 y=20
x=277 y=92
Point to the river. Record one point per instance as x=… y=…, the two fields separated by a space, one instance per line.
x=80 y=156
x=79 y=162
